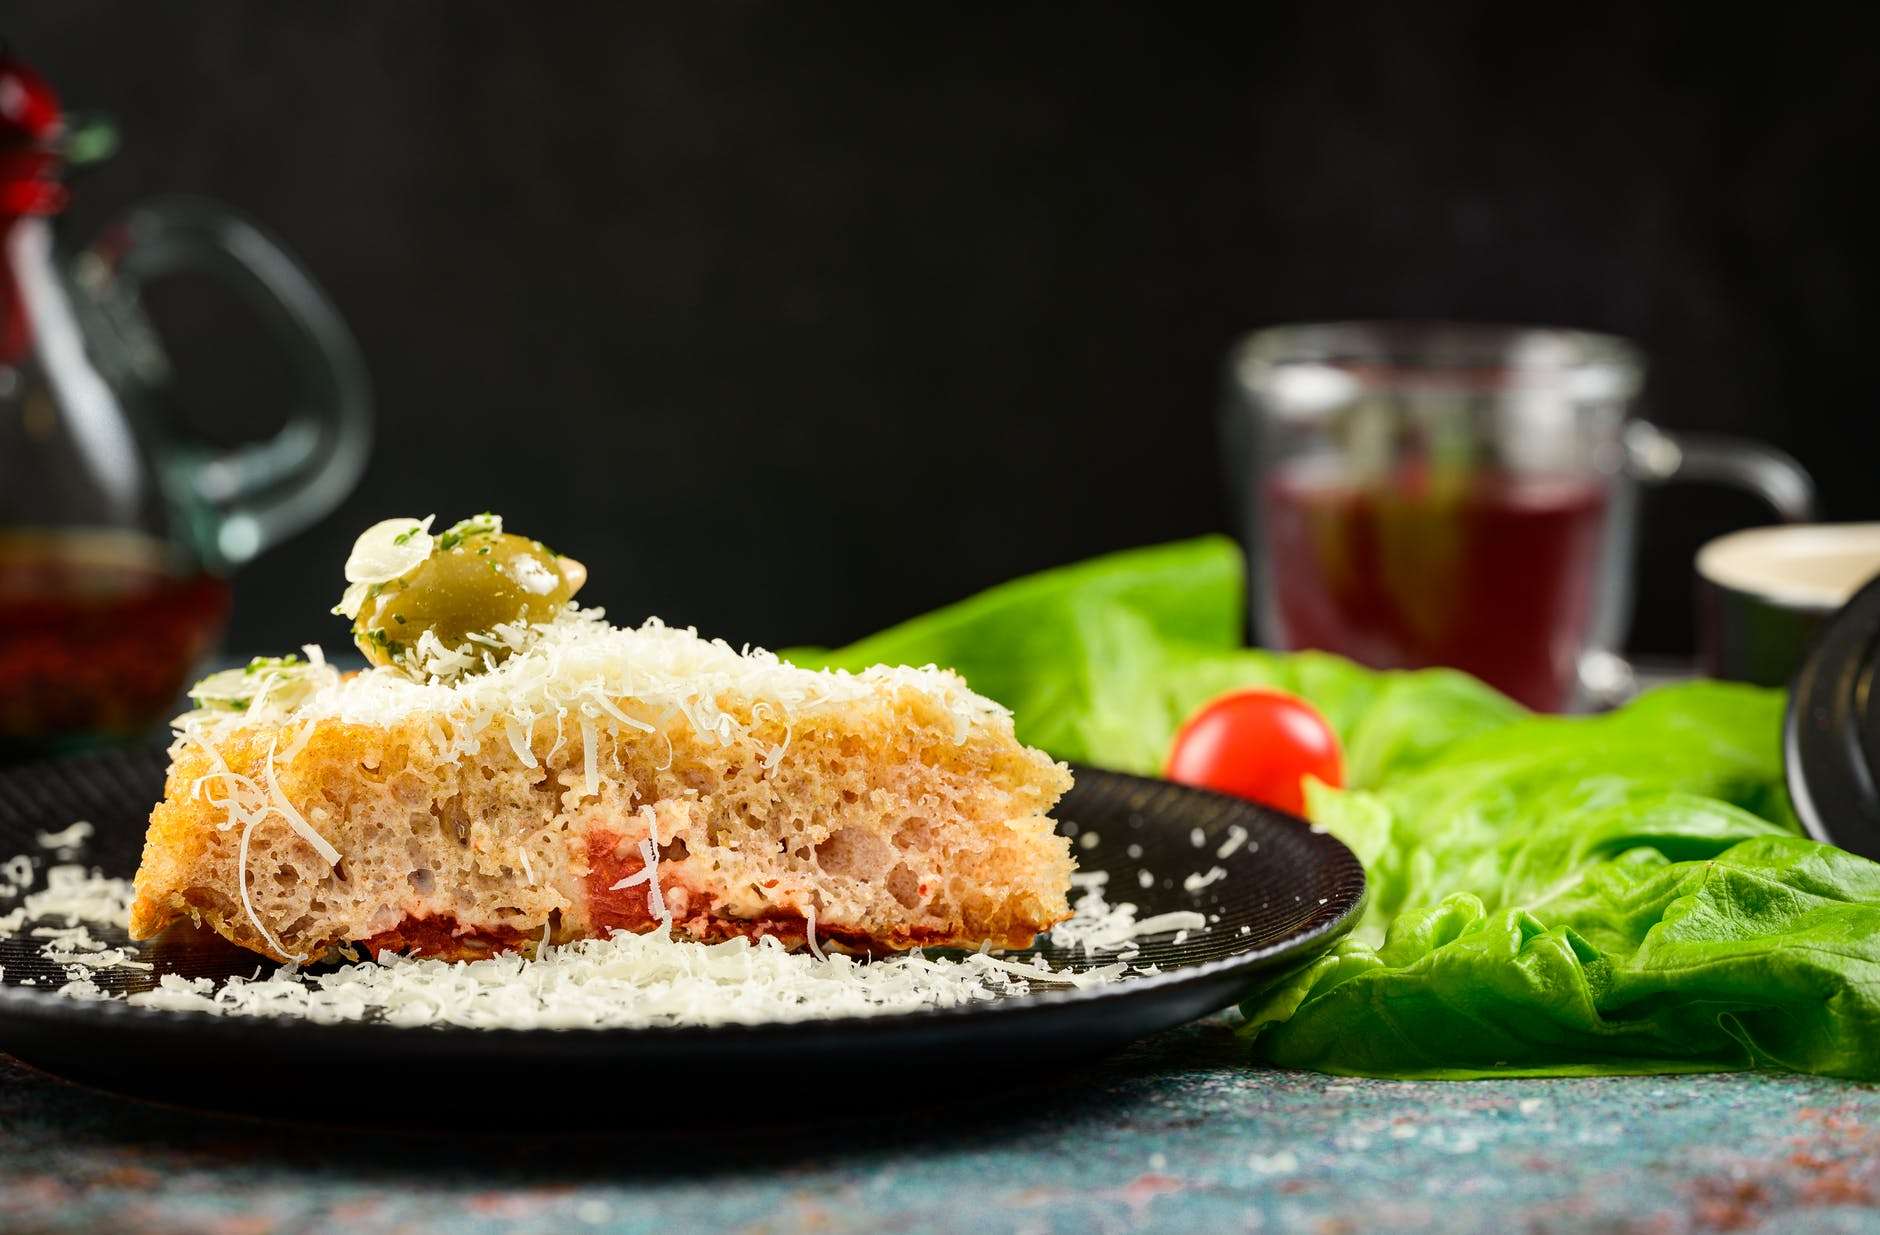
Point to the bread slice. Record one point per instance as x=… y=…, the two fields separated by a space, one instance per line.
x=605 y=779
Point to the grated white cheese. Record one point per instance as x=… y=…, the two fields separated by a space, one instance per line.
x=627 y=981
x=590 y=768
x=295 y=820
x=75 y=948
x=241 y=886
x=1236 y=837
x=532 y=576
x=16 y=874
x=77 y=897
x=809 y=929
x=643 y=677
x=1098 y=926
x=78 y=894
x=65 y=838
x=649 y=857
x=1194 y=883
x=1175 y=920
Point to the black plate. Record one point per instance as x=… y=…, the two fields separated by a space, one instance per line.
x=1295 y=890
x=1831 y=731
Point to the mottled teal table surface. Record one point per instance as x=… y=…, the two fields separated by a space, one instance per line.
x=1176 y=1134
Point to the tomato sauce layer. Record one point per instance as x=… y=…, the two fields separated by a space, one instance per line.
x=443 y=938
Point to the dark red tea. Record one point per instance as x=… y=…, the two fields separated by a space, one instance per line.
x=97 y=635
x=1494 y=573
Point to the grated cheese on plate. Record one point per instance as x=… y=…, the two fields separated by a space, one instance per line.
x=65 y=838
x=626 y=981
x=1098 y=926
x=1195 y=882
x=78 y=895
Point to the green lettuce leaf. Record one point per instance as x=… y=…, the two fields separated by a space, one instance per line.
x=1587 y=895
x=1766 y=955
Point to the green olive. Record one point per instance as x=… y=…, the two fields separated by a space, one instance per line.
x=483 y=580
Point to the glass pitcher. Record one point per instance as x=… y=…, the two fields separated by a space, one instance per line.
x=117 y=531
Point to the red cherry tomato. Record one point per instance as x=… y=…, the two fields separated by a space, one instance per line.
x=1258 y=744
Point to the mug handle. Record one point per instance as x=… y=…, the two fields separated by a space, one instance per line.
x=245 y=499
x=1655 y=457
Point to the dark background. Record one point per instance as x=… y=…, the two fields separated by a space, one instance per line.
x=796 y=319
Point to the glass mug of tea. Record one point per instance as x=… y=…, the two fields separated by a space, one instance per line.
x=1414 y=494
x=116 y=528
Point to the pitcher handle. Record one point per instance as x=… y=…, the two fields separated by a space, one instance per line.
x=247 y=498
x=1655 y=456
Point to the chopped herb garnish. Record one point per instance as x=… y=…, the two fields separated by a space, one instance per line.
x=399 y=618
x=485 y=524
x=262 y=664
